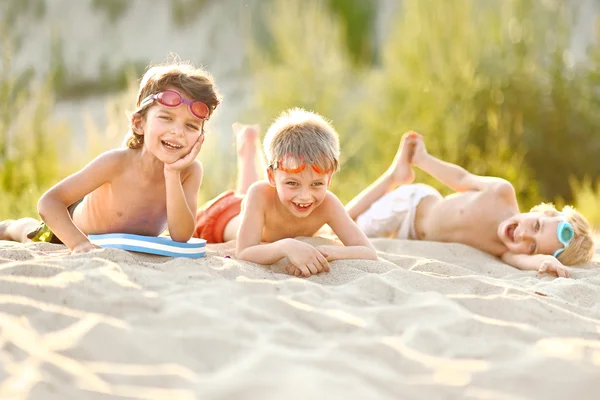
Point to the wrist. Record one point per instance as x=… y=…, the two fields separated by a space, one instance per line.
x=171 y=173
x=80 y=243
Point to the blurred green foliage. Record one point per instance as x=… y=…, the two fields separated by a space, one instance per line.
x=491 y=85
x=29 y=139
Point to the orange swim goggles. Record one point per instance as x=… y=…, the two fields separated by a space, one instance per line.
x=172 y=98
x=295 y=164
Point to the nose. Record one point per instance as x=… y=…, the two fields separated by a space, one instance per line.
x=523 y=234
x=177 y=129
x=304 y=194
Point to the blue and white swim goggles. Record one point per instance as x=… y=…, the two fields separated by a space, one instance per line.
x=565 y=234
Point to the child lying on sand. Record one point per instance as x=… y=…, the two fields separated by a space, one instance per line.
x=302 y=150
x=143 y=188
x=483 y=214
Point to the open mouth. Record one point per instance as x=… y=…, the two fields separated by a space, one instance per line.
x=302 y=207
x=510 y=231
x=171 y=146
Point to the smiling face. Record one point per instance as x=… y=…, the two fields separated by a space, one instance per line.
x=530 y=233
x=300 y=193
x=170 y=132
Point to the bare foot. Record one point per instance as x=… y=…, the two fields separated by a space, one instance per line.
x=400 y=170
x=3 y=227
x=246 y=137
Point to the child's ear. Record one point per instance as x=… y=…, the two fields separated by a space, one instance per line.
x=137 y=123
x=271 y=176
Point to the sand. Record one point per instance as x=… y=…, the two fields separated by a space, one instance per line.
x=426 y=321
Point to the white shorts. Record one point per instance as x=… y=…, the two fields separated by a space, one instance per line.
x=393 y=215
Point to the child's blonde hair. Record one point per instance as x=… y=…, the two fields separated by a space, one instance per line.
x=303 y=135
x=182 y=75
x=581 y=248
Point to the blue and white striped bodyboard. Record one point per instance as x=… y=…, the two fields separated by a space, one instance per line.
x=161 y=245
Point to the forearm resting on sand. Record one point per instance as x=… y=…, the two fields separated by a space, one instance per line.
x=265 y=254
x=538 y=262
x=348 y=252
x=54 y=213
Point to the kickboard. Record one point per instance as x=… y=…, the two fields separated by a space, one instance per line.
x=161 y=245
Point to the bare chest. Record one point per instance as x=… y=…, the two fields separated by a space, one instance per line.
x=468 y=218
x=125 y=206
x=278 y=227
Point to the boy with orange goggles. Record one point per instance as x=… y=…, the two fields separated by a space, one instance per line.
x=265 y=216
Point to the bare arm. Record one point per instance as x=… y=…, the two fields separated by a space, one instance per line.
x=537 y=262
x=356 y=243
x=451 y=175
x=182 y=197
x=456 y=177
x=53 y=204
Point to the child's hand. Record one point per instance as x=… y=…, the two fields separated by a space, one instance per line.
x=328 y=251
x=554 y=266
x=305 y=260
x=187 y=160
x=84 y=247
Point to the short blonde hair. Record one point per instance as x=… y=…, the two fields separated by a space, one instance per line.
x=581 y=249
x=182 y=75
x=305 y=135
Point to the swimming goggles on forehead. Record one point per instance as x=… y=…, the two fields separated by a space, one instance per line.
x=295 y=164
x=172 y=98
x=565 y=234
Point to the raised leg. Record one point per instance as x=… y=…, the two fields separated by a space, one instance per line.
x=399 y=173
x=250 y=163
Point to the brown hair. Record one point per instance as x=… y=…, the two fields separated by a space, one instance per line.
x=303 y=134
x=581 y=248
x=194 y=82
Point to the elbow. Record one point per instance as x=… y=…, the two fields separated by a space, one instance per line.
x=44 y=206
x=240 y=254
x=372 y=255
x=180 y=238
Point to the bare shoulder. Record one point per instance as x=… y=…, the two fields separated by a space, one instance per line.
x=331 y=202
x=502 y=188
x=115 y=158
x=260 y=189
x=259 y=193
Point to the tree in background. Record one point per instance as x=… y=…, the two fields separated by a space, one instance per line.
x=490 y=84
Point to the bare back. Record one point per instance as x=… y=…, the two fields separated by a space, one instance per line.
x=471 y=218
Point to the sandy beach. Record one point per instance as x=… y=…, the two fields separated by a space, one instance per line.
x=426 y=321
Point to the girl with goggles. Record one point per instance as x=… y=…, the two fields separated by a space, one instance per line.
x=172 y=98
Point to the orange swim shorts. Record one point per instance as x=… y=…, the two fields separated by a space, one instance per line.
x=213 y=218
